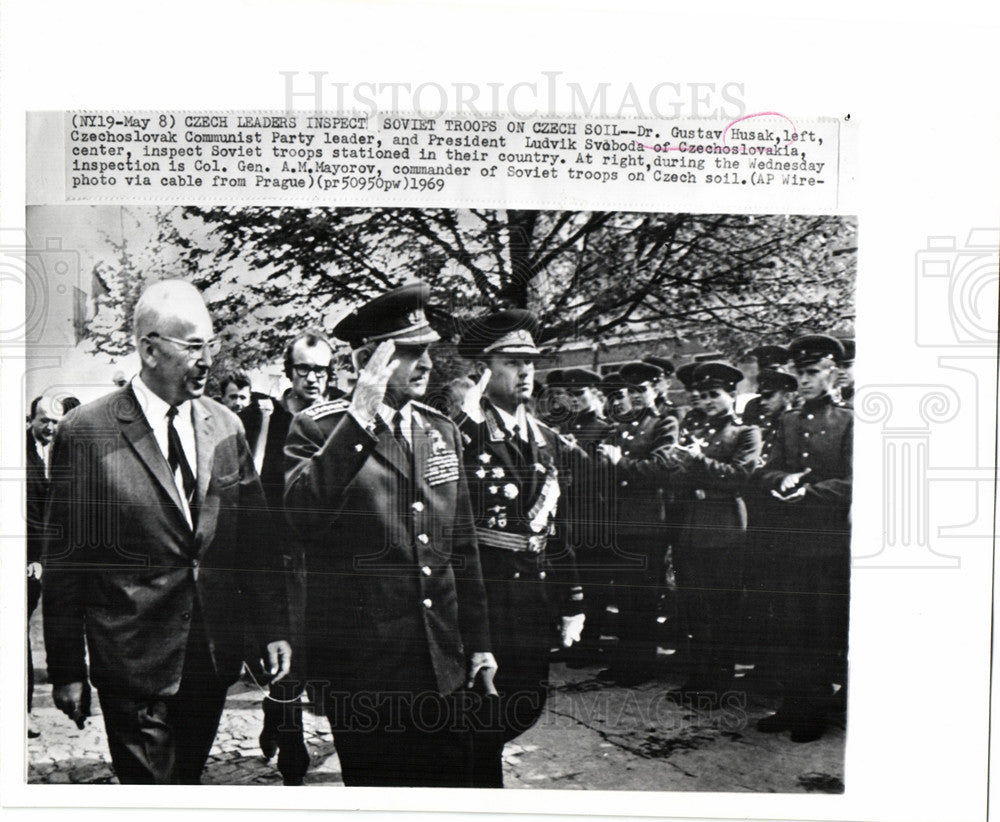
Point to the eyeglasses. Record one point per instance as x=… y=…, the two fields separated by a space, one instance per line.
x=193 y=348
x=304 y=370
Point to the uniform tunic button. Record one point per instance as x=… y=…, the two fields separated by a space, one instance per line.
x=423 y=539
x=186 y=616
x=359 y=447
x=418 y=506
x=425 y=571
x=428 y=603
x=805 y=434
x=624 y=483
x=516 y=575
x=541 y=574
x=805 y=454
x=810 y=416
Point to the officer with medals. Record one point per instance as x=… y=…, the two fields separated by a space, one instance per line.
x=396 y=619
x=640 y=453
x=517 y=469
x=808 y=475
x=708 y=553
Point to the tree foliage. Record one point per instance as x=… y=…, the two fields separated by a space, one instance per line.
x=725 y=281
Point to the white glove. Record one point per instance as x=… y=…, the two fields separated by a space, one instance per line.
x=470 y=403
x=572 y=628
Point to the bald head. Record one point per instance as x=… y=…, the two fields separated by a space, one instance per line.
x=173 y=332
x=169 y=307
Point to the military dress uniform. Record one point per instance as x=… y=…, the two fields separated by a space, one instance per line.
x=517 y=480
x=642 y=531
x=395 y=601
x=708 y=554
x=810 y=543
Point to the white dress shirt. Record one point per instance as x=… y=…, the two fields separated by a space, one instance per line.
x=155 y=410
x=518 y=420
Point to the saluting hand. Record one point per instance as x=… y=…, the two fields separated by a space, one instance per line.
x=372 y=380
x=471 y=402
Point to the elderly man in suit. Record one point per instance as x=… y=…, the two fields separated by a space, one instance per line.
x=395 y=610
x=153 y=552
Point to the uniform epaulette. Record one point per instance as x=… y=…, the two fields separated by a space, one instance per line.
x=423 y=408
x=324 y=409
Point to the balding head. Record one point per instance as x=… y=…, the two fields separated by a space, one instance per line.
x=171 y=307
x=172 y=329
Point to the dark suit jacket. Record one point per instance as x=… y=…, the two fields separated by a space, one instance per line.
x=37 y=492
x=395 y=592
x=123 y=565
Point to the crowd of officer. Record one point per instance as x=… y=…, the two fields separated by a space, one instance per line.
x=408 y=567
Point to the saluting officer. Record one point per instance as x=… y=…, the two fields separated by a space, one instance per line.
x=640 y=453
x=516 y=466
x=708 y=553
x=662 y=384
x=693 y=418
x=396 y=610
x=809 y=475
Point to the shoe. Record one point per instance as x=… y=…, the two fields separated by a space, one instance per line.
x=808 y=729
x=775 y=723
x=33 y=731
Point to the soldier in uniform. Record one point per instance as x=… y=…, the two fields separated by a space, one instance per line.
x=809 y=475
x=517 y=469
x=662 y=384
x=845 y=380
x=777 y=396
x=708 y=552
x=396 y=610
x=768 y=358
x=554 y=406
x=693 y=418
x=640 y=454
x=586 y=509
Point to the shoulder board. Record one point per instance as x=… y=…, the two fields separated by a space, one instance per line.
x=429 y=410
x=324 y=409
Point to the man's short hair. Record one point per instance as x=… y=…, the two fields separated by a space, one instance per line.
x=312 y=337
x=239 y=378
x=34 y=407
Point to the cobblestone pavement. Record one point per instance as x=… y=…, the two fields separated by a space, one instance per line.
x=592 y=736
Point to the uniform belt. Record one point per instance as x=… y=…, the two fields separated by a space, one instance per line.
x=533 y=543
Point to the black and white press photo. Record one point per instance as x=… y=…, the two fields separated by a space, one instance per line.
x=434 y=497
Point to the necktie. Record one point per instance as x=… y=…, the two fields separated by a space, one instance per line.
x=397 y=432
x=176 y=458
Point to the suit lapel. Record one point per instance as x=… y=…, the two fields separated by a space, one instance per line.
x=136 y=429
x=205 y=439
